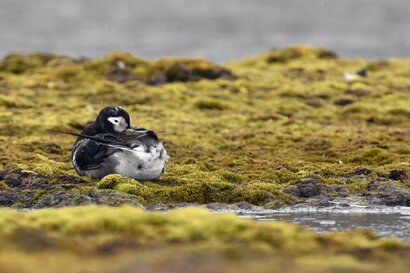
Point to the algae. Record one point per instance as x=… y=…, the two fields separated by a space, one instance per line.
x=242 y=131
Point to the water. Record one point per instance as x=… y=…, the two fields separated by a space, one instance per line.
x=214 y=29
x=385 y=221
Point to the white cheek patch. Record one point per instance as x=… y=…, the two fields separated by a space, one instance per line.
x=119 y=123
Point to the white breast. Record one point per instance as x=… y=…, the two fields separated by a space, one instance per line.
x=141 y=164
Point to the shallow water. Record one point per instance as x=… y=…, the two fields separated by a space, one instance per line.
x=385 y=221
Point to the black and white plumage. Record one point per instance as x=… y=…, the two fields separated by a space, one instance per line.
x=112 y=146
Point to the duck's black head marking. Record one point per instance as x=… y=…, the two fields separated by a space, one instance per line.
x=113 y=119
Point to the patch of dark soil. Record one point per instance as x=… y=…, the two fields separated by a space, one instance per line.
x=120 y=75
x=358 y=92
x=50 y=147
x=343 y=102
x=360 y=171
x=318 y=145
x=180 y=72
x=379 y=121
x=157 y=79
x=398 y=175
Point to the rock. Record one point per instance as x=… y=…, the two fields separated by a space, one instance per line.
x=160 y=207
x=395 y=195
x=27 y=189
x=308 y=188
x=216 y=206
x=246 y=206
x=388 y=194
x=277 y=204
x=398 y=175
x=74 y=198
x=186 y=204
x=372 y=186
x=292 y=190
x=340 y=190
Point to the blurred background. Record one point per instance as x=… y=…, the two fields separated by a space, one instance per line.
x=215 y=29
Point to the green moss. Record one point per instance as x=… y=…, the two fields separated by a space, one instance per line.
x=287 y=54
x=373 y=157
x=112 y=180
x=231 y=139
x=102 y=239
x=3 y=185
x=232 y=177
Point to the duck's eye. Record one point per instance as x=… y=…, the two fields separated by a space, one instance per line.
x=116 y=120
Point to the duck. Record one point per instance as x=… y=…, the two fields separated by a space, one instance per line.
x=110 y=145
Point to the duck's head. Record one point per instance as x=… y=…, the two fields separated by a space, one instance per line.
x=113 y=119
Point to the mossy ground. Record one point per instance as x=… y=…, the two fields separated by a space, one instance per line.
x=127 y=239
x=241 y=132
x=238 y=132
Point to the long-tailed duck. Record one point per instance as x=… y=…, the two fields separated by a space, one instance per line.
x=112 y=146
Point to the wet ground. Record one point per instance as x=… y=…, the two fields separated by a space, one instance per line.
x=216 y=30
x=386 y=222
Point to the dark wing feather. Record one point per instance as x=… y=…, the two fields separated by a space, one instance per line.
x=88 y=155
x=139 y=136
